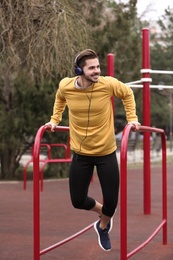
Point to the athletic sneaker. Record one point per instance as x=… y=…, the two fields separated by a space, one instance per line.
x=103 y=236
x=110 y=224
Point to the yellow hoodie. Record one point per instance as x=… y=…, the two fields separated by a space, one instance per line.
x=91 y=118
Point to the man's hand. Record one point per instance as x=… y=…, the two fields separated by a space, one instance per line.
x=51 y=125
x=136 y=126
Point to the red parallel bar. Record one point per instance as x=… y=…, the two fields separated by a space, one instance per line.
x=45 y=162
x=110 y=70
x=25 y=173
x=31 y=160
x=164 y=179
x=147 y=241
x=164 y=188
x=36 y=189
x=68 y=149
x=146 y=120
x=36 y=195
x=48 y=149
x=48 y=249
x=123 y=192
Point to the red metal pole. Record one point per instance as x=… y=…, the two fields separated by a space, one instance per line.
x=164 y=189
x=110 y=70
x=36 y=188
x=146 y=119
x=123 y=193
x=36 y=194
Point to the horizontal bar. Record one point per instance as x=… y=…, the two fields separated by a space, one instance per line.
x=148 y=240
x=151 y=129
x=60 y=160
x=134 y=82
x=156 y=71
x=66 y=240
x=151 y=86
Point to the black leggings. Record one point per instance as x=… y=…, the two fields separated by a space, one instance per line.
x=81 y=172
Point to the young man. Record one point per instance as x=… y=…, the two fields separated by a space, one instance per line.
x=92 y=138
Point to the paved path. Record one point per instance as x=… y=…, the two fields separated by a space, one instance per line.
x=60 y=220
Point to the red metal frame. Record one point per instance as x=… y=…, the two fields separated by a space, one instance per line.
x=36 y=191
x=123 y=194
x=47 y=160
x=146 y=118
x=123 y=191
x=46 y=250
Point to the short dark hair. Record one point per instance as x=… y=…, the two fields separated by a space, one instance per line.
x=83 y=56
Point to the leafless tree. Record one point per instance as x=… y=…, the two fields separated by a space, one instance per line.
x=38 y=42
x=40 y=36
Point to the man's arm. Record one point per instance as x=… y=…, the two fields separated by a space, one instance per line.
x=58 y=109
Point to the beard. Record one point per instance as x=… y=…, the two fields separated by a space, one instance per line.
x=93 y=78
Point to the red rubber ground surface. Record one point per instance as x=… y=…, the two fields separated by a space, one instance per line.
x=60 y=220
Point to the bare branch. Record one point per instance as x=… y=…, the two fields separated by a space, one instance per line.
x=41 y=36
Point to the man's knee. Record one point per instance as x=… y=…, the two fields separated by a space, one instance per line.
x=78 y=204
x=87 y=203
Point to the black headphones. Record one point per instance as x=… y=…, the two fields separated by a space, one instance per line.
x=87 y=52
x=78 y=70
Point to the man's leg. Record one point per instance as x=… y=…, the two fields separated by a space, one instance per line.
x=108 y=173
x=80 y=176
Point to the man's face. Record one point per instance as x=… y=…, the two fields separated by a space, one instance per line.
x=91 y=70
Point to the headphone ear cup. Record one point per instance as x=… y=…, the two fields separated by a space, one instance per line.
x=78 y=71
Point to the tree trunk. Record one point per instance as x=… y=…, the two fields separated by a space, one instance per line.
x=8 y=164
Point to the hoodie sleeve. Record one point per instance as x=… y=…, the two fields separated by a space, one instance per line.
x=125 y=93
x=59 y=106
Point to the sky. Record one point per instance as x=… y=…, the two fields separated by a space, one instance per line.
x=153 y=9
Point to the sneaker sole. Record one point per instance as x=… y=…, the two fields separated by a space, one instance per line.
x=111 y=225
x=98 y=237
